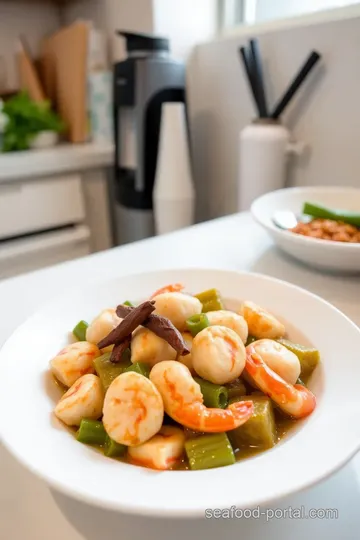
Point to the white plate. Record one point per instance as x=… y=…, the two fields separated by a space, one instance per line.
x=319 y=446
x=323 y=254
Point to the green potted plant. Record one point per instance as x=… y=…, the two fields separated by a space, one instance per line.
x=29 y=124
x=3 y=123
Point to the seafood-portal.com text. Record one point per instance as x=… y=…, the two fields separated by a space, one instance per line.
x=272 y=513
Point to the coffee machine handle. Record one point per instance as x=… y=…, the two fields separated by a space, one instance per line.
x=140 y=173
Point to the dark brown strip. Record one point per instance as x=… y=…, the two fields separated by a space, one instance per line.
x=135 y=318
x=118 y=350
x=162 y=327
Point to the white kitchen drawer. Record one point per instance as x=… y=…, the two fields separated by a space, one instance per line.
x=41 y=250
x=36 y=205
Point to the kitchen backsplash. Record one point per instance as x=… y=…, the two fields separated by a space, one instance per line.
x=325 y=115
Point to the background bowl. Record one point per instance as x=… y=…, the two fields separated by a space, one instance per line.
x=322 y=254
x=320 y=445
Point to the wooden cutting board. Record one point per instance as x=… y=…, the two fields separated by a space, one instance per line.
x=28 y=74
x=64 y=68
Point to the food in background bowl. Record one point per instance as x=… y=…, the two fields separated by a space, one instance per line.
x=328 y=224
x=185 y=382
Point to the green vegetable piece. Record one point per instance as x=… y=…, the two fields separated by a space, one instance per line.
x=209 y=451
x=309 y=357
x=318 y=211
x=80 y=330
x=250 y=340
x=113 y=449
x=91 y=432
x=260 y=429
x=196 y=323
x=108 y=371
x=141 y=368
x=215 y=396
x=236 y=389
x=128 y=303
x=211 y=300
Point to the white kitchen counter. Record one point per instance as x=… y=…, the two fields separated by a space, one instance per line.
x=57 y=160
x=29 y=511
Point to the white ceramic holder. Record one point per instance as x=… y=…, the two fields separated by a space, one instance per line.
x=264 y=150
x=173 y=194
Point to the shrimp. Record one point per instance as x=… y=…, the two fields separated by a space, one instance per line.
x=133 y=410
x=177 y=307
x=162 y=451
x=183 y=401
x=187 y=359
x=218 y=354
x=261 y=323
x=83 y=400
x=175 y=287
x=284 y=362
x=294 y=400
x=147 y=347
x=231 y=320
x=101 y=326
x=74 y=361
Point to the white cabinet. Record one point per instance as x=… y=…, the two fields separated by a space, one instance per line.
x=44 y=249
x=39 y=204
x=54 y=206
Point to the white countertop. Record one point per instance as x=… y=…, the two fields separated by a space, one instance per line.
x=56 y=160
x=29 y=511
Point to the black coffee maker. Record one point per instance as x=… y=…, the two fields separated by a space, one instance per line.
x=142 y=83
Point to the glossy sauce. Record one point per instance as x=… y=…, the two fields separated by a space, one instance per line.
x=284 y=425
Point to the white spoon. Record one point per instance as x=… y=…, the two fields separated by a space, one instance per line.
x=285 y=219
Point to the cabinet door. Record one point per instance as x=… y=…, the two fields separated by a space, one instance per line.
x=42 y=250
x=36 y=205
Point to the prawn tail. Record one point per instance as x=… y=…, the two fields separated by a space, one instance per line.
x=174 y=287
x=308 y=401
x=200 y=418
x=241 y=411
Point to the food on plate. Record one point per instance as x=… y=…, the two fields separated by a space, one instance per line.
x=318 y=211
x=147 y=347
x=218 y=354
x=209 y=452
x=308 y=357
x=101 y=326
x=73 y=361
x=84 y=399
x=182 y=382
x=261 y=323
x=231 y=320
x=184 y=402
x=279 y=358
x=160 y=452
x=108 y=370
x=260 y=430
x=133 y=410
x=160 y=326
x=210 y=300
x=326 y=229
x=186 y=359
x=295 y=400
x=328 y=224
x=177 y=307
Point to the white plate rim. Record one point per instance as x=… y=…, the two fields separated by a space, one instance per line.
x=181 y=512
x=298 y=238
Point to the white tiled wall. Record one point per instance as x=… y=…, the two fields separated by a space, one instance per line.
x=32 y=19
